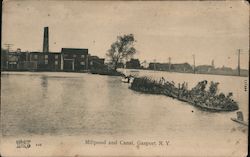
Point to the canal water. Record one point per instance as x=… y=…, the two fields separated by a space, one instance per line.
x=80 y=105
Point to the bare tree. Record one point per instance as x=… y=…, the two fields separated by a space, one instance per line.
x=121 y=49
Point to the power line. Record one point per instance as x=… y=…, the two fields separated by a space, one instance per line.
x=239 y=62
x=239 y=53
x=8 y=46
x=154 y=63
x=194 y=62
x=169 y=63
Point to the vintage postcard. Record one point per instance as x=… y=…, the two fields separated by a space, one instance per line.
x=124 y=78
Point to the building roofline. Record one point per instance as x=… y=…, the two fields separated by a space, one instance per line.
x=66 y=48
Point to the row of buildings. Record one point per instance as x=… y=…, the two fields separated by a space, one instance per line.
x=131 y=64
x=69 y=59
x=200 y=69
x=183 y=67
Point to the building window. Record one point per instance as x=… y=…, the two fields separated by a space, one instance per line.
x=56 y=62
x=65 y=55
x=46 y=61
x=82 y=63
x=35 y=56
x=91 y=63
x=82 y=56
x=46 y=56
x=74 y=55
x=56 y=56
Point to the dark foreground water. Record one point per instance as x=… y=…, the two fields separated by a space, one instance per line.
x=77 y=104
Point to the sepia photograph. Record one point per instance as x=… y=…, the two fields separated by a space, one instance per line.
x=124 y=78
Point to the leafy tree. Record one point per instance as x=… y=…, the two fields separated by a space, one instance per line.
x=121 y=49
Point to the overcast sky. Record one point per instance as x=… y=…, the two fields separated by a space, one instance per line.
x=208 y=29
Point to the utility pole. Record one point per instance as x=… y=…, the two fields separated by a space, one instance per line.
x=239 y=54
x=8 y=50
x=194 y=62
x=154 y=64
x=8 y=47
x=212 y=64
x=169 y=63
x=239 y=62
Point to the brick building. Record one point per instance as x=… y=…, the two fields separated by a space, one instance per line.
x=95 y=62
x=74 y=59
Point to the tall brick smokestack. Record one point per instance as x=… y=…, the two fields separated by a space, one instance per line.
x=46 y=39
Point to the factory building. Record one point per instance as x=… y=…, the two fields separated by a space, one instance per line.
x=69 y=59
x=48 y=61
x=95 y=62
x=54 y=61
x=12 y=62
x=74 y=59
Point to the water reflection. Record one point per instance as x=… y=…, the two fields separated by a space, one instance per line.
x=84 y=104
x=44 y=85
